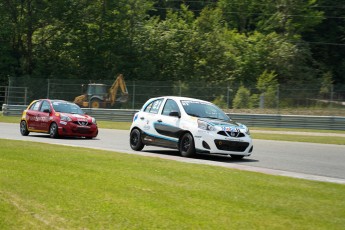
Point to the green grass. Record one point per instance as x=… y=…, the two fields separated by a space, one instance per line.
x=46 y=186
x=9 y=119
x=298 y=130
x=300 y=138
x=114 y=125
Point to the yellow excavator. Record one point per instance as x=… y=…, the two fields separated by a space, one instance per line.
x=99 y=96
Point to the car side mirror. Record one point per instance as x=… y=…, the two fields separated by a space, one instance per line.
x=174 y=114
x=46 y=111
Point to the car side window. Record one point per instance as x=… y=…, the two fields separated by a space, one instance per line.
x=154 y=106
x=45 y=106
x=170 y=106
x=35 y=106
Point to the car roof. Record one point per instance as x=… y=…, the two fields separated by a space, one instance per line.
x=53 y=100
x=181 y=98
x=61 y=101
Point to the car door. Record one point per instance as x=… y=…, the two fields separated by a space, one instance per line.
x=43 y=116
x=31 y=116
x=167 y=123
x=159 y=126
x=148 y=120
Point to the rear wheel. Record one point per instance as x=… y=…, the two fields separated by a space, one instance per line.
x=23 y=128
x=135 y=140
x=186 y=146
x=53 y=130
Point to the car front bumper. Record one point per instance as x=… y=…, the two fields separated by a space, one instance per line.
x=71 y=129
x=214 y=143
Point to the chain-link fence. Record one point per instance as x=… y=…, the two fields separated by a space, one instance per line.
x=287 y=99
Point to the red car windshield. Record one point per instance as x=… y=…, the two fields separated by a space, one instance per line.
x=66 y=107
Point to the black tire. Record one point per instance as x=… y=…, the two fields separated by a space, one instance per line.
x=95 y=103
x=236 y=157
x=135 y=140
x=24 y=128
x=53 y=130
x=186 y=145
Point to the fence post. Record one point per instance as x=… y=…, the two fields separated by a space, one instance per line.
x=278 y=99
x=25 y=95
x=6 y=95
x=8 y=90
x=133 y=97
x=48 y=88
x=331 y=98
x=228 y=96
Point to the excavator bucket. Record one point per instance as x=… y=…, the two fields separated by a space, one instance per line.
x=118 y=83
x=123 y=98
x=79 y=100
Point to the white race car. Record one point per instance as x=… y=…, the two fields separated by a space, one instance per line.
x=190 y=126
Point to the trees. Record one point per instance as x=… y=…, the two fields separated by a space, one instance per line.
x=224 y=42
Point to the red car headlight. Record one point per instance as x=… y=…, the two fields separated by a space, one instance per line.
x=65 y=118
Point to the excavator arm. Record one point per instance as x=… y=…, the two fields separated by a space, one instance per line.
x=118 y=83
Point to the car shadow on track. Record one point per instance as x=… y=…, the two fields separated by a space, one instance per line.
x=218 y=158
x=46 y=136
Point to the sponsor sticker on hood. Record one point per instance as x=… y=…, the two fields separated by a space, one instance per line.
x=78 y=116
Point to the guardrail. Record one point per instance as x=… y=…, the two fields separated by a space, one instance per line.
x=252 y=120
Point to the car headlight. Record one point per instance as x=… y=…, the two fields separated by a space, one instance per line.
x=94 y=121
x=247 y=131
x=65 y=118
x=205 y=126
x=245 y=128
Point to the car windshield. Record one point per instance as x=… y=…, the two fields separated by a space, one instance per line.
x=66 y=107
x=203 y=110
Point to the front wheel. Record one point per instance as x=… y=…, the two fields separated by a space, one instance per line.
x=53 y=130
x=23 y=128
x=96 y=103
x=135 y=140
x=186 y=146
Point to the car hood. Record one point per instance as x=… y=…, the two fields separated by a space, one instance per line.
x=78 y=117
x=225 y=125
x=216 y=122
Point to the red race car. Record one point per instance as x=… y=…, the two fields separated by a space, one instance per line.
x=57 y=118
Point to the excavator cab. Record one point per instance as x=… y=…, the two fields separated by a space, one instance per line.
x=97 y=89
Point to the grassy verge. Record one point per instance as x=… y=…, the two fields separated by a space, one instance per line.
x=47 y=186
x=300 y=138
x=9 y=119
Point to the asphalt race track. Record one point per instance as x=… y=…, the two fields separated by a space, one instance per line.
x=319 y=162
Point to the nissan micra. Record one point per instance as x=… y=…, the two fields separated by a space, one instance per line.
x=57 y=118
x=190 y=126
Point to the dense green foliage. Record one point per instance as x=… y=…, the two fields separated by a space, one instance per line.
x=212 y=40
